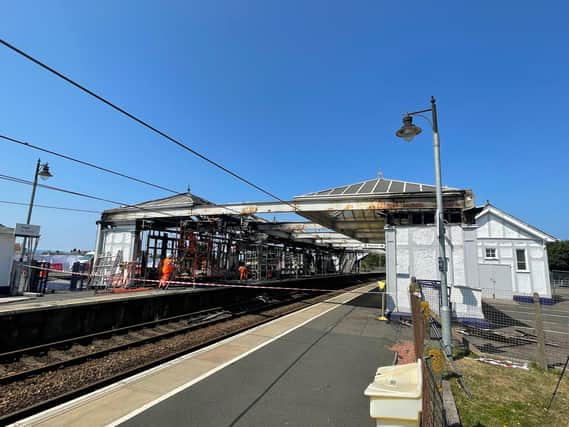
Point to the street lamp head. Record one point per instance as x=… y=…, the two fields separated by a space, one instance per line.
x=45 y=173
x=408 y=131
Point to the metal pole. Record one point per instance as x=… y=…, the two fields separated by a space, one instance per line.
x=445 y=312
x=30 y=207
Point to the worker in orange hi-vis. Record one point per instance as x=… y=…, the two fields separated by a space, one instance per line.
x=167 y=269
x=243 y=272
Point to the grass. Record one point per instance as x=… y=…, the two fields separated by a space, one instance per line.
x=510 y=397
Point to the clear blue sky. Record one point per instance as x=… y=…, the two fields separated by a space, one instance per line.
x=295 y=95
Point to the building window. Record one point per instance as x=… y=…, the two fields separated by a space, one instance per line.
x=491 y=253
x=401 y=219
x=416 y=218
x=429 y=218
x=521 y=259
x=453 y=217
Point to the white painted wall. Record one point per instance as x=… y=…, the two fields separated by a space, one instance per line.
x=411 y=250
x=7 y=240
x=119 y=239
x=506 y=237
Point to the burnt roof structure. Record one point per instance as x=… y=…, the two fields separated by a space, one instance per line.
x=351 y=214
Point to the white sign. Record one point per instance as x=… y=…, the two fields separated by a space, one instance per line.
x=27 y=230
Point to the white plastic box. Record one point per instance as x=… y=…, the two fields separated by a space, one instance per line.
x=396 y=395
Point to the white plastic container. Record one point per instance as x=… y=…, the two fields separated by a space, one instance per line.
x=396 y=395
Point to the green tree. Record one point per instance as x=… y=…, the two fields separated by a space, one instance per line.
x=372 y=262
x=558 y=254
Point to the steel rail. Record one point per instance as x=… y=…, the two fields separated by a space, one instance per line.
x=18 y=353
x=224 y=314
x=72 y=394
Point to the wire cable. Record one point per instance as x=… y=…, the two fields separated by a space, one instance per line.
x=7 y=202
x=83 y=162
x=89 y=196
x=141 y=122
x=62 y=190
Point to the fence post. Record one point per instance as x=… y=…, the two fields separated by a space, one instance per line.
x=539 y=333
x=416 y=319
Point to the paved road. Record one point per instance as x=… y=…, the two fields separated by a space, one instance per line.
x=555 y=317
x=513 y=318
x=313 y=376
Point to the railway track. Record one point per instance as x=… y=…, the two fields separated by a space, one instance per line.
x=19 y=364
x=71 y=365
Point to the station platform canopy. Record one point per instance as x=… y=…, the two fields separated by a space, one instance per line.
x=363 y=209
x=349 y=215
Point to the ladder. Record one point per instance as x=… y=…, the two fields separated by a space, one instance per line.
x=104 y=270
x=252 y=262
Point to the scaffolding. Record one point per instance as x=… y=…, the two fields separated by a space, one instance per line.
x=212 y=249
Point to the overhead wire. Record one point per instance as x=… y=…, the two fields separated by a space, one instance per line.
x=85 y=195
x=142 y=122
x=8 y=202
x=86 y=163
x=95 y=166
x=62 y=190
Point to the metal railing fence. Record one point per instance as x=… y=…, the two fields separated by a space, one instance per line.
x=517 y=326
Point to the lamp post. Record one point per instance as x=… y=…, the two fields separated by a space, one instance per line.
x=408 y=131
x=43 y=172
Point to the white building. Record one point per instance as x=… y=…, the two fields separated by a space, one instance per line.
x=512 y=256
x=7 y=240
x=499 y=257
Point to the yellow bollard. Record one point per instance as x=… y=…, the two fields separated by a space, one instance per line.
x=381 y=286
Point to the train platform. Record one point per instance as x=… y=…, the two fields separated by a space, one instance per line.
x=84 y=297
x=307 y=368
x=65 y=299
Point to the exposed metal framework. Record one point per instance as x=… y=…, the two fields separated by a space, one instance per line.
x=344 y=224
x=359 y=212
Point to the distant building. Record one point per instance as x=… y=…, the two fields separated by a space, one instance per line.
x=7 y=240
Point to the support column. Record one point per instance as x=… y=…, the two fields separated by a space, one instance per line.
x=98 y=242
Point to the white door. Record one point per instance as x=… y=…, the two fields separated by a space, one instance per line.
x=495 y=281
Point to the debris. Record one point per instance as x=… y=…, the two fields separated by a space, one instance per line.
x=405 y=352
x=504 y=363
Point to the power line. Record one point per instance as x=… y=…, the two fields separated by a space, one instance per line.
x=141 y=122
x=88 y=196
x=61 y=190
x=64 y=156
x=83 y=162
x=7 y=202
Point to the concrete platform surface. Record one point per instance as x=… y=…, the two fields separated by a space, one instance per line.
x=11 y=300
x=86 y=297
x=308 y=368
x=63 y=299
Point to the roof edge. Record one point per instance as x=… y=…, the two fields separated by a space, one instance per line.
x=489 y=208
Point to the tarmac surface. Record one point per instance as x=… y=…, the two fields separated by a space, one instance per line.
x=313 y=376
x=309 y=368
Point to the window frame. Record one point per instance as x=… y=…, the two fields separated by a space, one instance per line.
x=486 y=256
x=525 y=260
